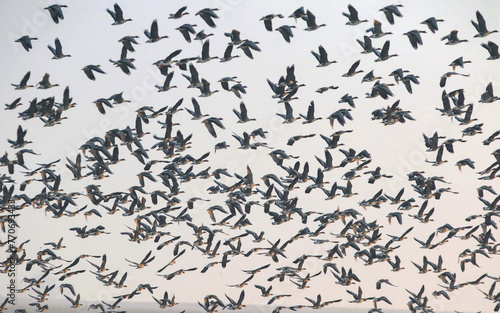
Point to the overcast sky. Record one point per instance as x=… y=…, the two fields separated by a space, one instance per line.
x=87 y=35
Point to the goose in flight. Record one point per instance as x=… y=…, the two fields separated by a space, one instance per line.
x=309 y=118
x=117 y=15
x=24 y=82
x=376 y=30
x=459 y=62
x=205 y=53
x=152 y=34
x=90 y=69
x=384 y=54
x=415 y=38
x=352 y=70
x=25 y=41
x=492 y=50
x=209 y=124
x=390 y=11
x=166 y=84
x=247 y=46
x=311 y=22
x=431 y=22
x=187 y=29
x=366 y=44
x=208 y=15
x=45 y=83
x=358 y=297
x=452 y=38
x=488 y=96
x=353 y=16
x=242 y=114
x=57 y=52
x=480 y=26
x=322 y=57
x=56 y=12
x=286 y=31
x=179 y=13
x=268 y=20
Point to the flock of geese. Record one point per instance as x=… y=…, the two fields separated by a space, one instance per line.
x=156 y=206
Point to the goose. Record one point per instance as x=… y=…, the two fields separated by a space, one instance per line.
x=311 y=22
x=492 y=49
x=347 y=191
x=127 y=41
x=431 y=22
x=480 y=26
x=288 y=116
x=144 y=262
x=24 y=82
x=166 y=85
x=366 y=44
x=20 y=141
x=390 y=11
x=208 y=15
x=238 y=89
x=376 y=30
x=322 y=57
x=265 y=292
x=234 y=35
x=415 y=38
x=248 y=45
x=268 y=20
x=398 y=74
x=117 y=15
x=465 y=162
x=384 y=54
x=352 y=70
x=202 y=36
x=45 y=83
x=309 y=118
x=452 y=38
x=299 y=13
x=339 y=116
x=25 y=41
x=317 y=304
x=296 y=138
x=56 y=12
x=380 y=89
x=369 y=77
x=75 y=303
x=196 y=112
x=458 y=62
x=326 y=88
x=205 y=89
x=225 y=82
x=205 y=54
x=90 y=69
x=152 y=34
x=227 y=54
x=358 y=297
x=487 y=96
x=353 y=16
x=439 y=157
x=179 y=13
x=408 y=79
x=186 y=29
x=242 y=114
x=445 y=76
x=467 y=118
x=209 y=122
x=124 y=63
x=286 y=32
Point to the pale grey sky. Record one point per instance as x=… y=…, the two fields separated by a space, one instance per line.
x=87 y=34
